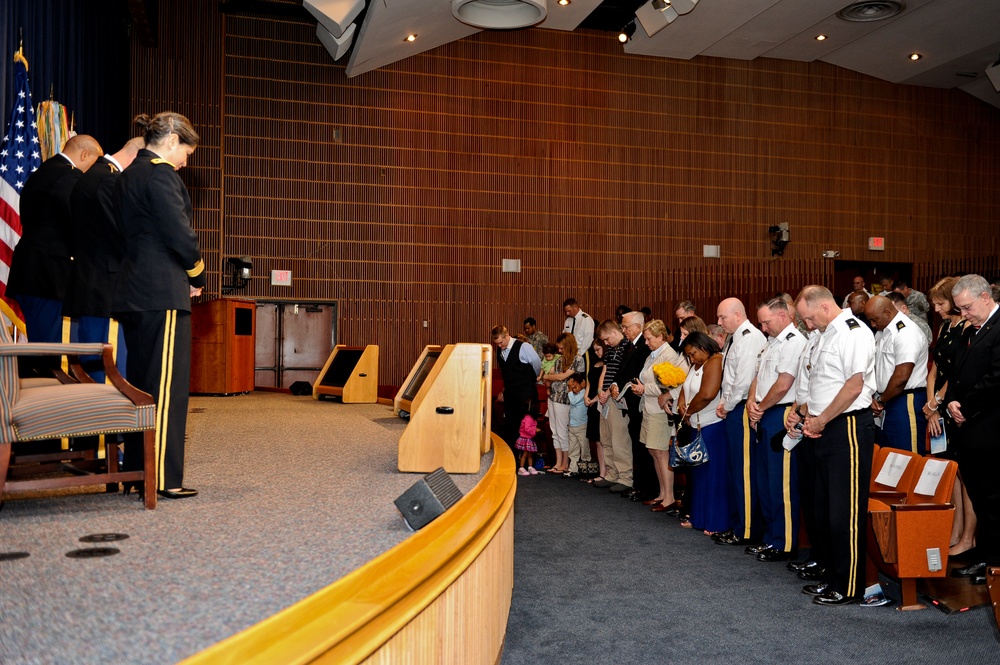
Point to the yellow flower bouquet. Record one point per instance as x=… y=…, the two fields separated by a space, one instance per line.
x=669 y=375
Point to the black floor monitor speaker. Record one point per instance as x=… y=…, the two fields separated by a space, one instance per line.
x=428 y=499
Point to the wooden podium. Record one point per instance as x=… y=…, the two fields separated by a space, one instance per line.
x=223 y=343
x=450 y=413
x=350 y=373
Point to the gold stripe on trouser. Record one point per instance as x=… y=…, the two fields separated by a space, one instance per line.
x=852 y=525
x=163 y=401
x=912 y=418
x=746 y=475
x=786 y=488
x=113 y=341
x=64 y=364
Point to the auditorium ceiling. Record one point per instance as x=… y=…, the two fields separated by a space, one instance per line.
x=955 y=41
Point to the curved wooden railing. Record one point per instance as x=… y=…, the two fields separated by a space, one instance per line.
x=440 y=596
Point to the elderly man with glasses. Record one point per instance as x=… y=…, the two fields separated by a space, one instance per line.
x=972 y=397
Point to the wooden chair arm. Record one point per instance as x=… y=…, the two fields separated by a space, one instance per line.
x=913 y=507
x=78 y=374
x=136 y=396
x=887 y=496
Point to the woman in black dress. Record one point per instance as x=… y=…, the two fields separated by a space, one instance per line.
x=949 y=341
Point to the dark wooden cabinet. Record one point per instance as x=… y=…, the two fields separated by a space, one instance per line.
x=222 y=346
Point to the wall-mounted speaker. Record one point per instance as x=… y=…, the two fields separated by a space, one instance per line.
x=428 y=499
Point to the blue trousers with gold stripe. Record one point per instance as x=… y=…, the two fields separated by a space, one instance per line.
x=777 y=483
x=843 y=472
x=159 y=362
x=905 y=426
x=106 y=331
x=743 y=498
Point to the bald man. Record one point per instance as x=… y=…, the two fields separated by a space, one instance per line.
x=900 y=377
x=99 y=250
x=739 y=368
x=41 y=269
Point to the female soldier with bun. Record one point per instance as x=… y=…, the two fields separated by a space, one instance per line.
x=161 y=272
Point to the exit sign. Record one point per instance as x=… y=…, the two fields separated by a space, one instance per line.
x=876 y=244
x=281 y=278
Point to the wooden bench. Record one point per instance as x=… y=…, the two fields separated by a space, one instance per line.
x=906 y=524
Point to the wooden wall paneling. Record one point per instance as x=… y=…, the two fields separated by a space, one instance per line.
x=604 y=173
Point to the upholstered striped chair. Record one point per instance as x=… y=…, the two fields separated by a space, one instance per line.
x=42 y=410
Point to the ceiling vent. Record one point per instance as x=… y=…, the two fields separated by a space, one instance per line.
x=871 y=10
x=499 y=14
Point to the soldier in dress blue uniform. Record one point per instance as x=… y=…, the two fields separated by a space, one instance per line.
x=771 y=395
x=43 y=259
x=900 y=377
x=838 y=417
x=161 y=272
x=99 y=249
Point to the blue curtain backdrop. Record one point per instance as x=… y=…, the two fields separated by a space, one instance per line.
x=79 y=49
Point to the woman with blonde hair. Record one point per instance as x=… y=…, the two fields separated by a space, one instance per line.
x=657 y=428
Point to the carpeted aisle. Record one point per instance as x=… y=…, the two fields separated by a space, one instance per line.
x=295 y=493
x=601 y=580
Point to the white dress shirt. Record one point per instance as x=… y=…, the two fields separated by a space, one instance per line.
x=739 y=364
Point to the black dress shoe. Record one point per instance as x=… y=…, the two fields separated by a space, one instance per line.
x=733 y=539
x=816 y=589
x=796 y=566
x=755 y=549
x=970 y=571
x=834 y=598
x=814 y=574
x=179 y=493
x=631 y=495
x=720 y=536
x=771 y=554
x=978 y=579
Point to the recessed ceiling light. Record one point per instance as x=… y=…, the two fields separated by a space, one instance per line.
x=564 y=2
x=410 y=38
x=915 y=56
x=820 y=38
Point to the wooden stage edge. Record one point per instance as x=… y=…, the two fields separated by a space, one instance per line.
x=441 y=596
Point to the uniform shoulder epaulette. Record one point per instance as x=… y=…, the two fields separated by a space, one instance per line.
x=790 y=335
x=900 y=325
x=746 y=331
x=160 y=160
x=586 y=316
x=852 y=324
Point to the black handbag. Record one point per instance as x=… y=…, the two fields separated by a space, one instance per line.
x=692 y=454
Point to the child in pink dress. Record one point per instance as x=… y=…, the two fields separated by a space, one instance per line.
x=526 y=442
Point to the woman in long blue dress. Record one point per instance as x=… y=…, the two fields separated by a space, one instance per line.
x=698 y=401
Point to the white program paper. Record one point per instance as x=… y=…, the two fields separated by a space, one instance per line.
x=931 y=476
x=892 y=470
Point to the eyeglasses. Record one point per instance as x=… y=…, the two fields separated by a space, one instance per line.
x=966 y=308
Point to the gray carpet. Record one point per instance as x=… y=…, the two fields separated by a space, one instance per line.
x=295 y=493
x=601 y=580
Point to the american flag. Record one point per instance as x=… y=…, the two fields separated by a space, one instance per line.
x=20 y=156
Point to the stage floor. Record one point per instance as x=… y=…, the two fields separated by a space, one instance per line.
x=294 y=494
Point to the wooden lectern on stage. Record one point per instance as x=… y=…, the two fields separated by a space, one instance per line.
x=402 y=404
x=450 y=413
x=223 y=342
x=350 y=373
